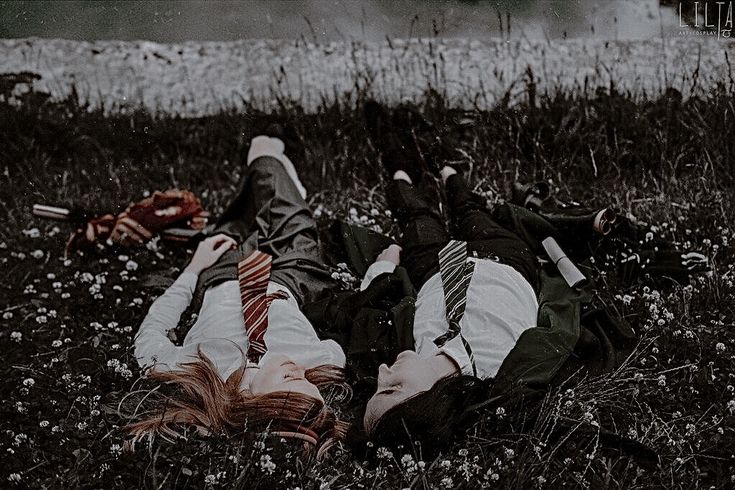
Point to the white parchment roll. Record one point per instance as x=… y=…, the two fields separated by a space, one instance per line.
x=569 y=271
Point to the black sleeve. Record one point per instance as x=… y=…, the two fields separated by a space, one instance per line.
x=328 y=317
x=332 y=317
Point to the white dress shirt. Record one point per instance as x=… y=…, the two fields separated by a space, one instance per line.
x=501 y=304
x=220 y=333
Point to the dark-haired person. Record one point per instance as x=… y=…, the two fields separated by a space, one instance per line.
x=250 y=359
x=425 y=391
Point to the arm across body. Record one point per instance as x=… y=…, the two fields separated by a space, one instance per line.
x=152 y=345
x=333 y=316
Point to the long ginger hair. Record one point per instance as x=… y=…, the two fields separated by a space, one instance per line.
x=212 y=405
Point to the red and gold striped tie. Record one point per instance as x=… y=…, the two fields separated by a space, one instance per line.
x=253 y=275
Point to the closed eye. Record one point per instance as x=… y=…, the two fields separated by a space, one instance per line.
x=390 y=390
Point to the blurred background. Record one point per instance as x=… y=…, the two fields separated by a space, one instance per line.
x=340 y=20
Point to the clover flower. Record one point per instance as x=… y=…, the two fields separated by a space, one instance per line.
x=266 y=464
x=384 y=453
x=115 y=449
x=16 y=336
x=409 y=464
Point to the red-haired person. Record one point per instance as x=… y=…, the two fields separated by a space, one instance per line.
x=226 y=383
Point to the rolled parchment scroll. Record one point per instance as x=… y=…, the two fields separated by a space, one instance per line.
x=569 y=271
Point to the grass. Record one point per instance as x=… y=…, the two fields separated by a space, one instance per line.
x=68 y=326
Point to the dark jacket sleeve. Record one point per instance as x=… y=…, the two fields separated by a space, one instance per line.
x=329 y=317
x=371 y=326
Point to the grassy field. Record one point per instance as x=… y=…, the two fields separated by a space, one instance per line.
x=67 y=327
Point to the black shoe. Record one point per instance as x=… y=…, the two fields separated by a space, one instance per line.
x=377 y=121
x=397 y=152
x=283 y=131
x=421 y=137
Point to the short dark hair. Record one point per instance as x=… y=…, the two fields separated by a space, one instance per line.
x=431 y=418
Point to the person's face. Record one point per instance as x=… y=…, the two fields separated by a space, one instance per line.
x=279 y=373
x=408 y=376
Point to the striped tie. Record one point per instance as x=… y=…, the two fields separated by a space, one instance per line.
x=253 y=275
x=456 y=273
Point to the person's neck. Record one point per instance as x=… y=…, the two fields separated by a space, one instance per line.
x=444 y=365
x=247 y=376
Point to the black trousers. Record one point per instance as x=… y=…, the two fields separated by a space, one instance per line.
x=425 y=233
x=269 y=214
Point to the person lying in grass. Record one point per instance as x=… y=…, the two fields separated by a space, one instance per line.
x=252 y=359
x=475 y=298
x=491 y=326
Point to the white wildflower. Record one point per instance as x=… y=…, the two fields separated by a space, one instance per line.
x=32 y=233
x=16 y=336
x=266 y=464
x=384 y=453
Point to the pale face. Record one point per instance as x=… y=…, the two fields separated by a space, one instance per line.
x=279 y=373
x=408 y=376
